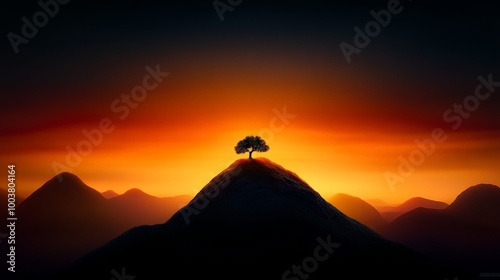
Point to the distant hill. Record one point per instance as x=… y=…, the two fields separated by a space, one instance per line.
x=359 y=210
x=147 y=209
x=256 y=220
x=60 y=221
x=465 y=235
x=109 y=194
x=479 y=204
x=63 y=220
x=391 y=213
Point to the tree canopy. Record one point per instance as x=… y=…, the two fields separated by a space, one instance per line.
x=251 y=144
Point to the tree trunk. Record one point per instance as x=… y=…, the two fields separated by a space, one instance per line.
x=250 y=154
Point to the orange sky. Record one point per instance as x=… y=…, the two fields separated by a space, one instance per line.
x=342 y=138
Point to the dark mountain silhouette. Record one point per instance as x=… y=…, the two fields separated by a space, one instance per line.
x=63 y=220
x=143 y=209
x=479 y=204
x=255 y=220
x=359 y=210
x=464 y=235
x=109 y=194
x=391 y=213
x=60 y=221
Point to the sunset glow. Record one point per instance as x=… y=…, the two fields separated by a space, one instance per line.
x=339 y=126
x=184 y=133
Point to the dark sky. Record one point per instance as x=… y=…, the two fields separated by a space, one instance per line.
x=434 y=49
x=427 y=43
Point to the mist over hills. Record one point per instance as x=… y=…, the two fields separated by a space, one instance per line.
x=144 y=209
x=390 y=213
x=360 y=210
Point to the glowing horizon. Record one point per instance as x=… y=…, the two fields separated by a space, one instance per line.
x=169 y=134
x=345 y=163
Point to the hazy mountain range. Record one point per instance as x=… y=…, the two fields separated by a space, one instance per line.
x=390 y=212
x=464 y=235
x=360 y=210
x=259 y=219
x=62 y=220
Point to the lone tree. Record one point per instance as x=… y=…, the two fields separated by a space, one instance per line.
x=251 y=144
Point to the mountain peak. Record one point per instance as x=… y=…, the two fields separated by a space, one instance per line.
x=416 y=202
x=250 y=181
x=63 y=182
x=481 y=196
x=66 y=177
x=64 y=188
x=256 y=163
x=482 y=188
x=109 y=194
x=134 y=192
x=258 y=168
